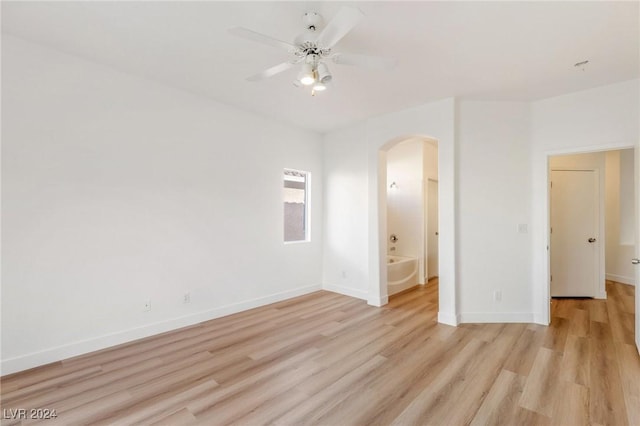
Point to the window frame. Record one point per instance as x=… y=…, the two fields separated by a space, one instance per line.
x=307 y=206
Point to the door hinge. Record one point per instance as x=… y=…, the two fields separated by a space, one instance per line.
x=551 y=232
x=551 y=184
x=551 y=277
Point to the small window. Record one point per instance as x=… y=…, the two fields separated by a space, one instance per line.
x=296 y=205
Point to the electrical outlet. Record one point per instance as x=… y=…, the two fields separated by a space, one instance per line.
x=147 y=305
x=497 y=295
x=344 y=274
x=186 y=298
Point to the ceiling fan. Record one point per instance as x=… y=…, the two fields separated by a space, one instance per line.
x=313 y=47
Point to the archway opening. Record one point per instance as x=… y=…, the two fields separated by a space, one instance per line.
x=407 y=180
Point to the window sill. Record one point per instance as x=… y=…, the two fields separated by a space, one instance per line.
x=286 y=243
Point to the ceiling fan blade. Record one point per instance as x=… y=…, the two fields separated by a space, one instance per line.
x=365 y=61
x=270 y=72
x=339 y=26
x=261 y=38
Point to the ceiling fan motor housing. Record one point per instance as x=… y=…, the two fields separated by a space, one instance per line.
x=307 y=40
x=312 y=20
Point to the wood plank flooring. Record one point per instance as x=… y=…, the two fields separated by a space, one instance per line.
x=329 y=359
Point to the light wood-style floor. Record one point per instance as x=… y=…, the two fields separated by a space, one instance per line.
x=329 y=359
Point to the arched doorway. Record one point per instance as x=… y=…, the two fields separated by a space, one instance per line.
x=378 y=294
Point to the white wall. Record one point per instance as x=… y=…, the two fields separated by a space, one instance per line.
x=346 y=229
x=603 y=118
x=493 y=200
x=430 y=161
x=405 y=216
x=627 y=197
x=619 y=196
x=117 y=189
x=430 y=170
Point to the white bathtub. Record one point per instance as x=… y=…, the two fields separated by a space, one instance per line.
x=402 y=273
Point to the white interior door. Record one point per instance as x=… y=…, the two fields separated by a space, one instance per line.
x=574 y=233
x=432 y=228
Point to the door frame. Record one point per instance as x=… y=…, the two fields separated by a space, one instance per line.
x=637 y=250
x=600 y=290
x=377 y=295
x=543 y=311
x=428 y=274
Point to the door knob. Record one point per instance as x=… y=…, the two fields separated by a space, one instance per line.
x=635 y=261
x=592 y=240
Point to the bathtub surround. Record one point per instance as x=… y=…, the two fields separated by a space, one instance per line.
x=402 y=273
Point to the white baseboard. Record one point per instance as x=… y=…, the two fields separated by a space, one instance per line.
x=448 y=318
x=540 y=318
x=496 y=317
x=35 y=359
x=347 y=291
x=620 y=279
x=378 y=301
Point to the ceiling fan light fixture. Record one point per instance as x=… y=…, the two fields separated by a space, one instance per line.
x=319 y=87
x=314 y=46
x=307 y=75
x=307 y=80
x=324 y=76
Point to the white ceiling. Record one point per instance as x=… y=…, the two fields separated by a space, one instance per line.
x=475 y=50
